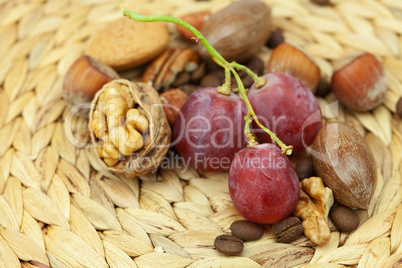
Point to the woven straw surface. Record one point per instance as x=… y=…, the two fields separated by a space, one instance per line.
x=56 y=207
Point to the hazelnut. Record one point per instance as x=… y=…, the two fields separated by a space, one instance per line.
x=172 y=101
x=84 y=78
x=288 y=59
x=196 y=19
x=359 y=81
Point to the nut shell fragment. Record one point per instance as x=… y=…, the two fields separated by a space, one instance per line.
x=155 y=130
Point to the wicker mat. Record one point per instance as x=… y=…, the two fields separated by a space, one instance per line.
x=57 y=208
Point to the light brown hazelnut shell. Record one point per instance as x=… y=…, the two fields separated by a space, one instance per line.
x=288 y=59
x=157 y=140
x=359 y=81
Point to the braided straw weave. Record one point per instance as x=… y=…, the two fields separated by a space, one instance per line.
x=56 y=207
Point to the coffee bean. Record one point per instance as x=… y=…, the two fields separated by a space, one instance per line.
x=210 y=80
x=182 y=79
x=246 y=230
x=228 y=244
x=198 y=74
x=304 y=168
x=256 y=65
x=275 y=39
x=288 y=230
x=323 y=88
x=345 y=219
x=399 y=107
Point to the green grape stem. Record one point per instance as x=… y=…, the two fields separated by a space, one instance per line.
x=228 y=67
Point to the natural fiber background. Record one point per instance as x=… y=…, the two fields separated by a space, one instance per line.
x=56 y=207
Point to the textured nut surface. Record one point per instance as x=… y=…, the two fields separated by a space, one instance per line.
x=359 y=82
x=238 y=31
x=118 y=124
x=84 y=78
x=163 y=71
x=155 y=141
x=288 y=59
x=344 y=218
x=344 y=161
x=124 y=43
x=228 y=244
x=288 y=230
x=313 y=207
x=246 y=230
x=172 y=101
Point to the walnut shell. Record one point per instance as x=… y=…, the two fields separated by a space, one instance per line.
x=157 y=140
x=345 y=163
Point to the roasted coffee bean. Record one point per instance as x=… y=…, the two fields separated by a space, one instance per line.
x=345 y=219
x=198 y=74
x=182 y=79
x=228 y=244
x=275 y=39
x=304 y=168
x=210 y=80
x=399 y=107
x=246 y=230
x=323 y=88
x=256 y=65
x=288 y=230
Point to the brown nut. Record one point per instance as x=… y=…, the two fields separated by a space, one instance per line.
x=162 y=72
x=125 y=43
x=172 y=101
x=288 y=59
x=238 y=31
x=197 y=20
x=84 y=78
x=359 y=81
x=313 y=208
x=344 y=161
x=129 y=128
x=345 y=219
x=247 y=230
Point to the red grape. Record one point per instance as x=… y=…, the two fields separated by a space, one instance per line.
x=287 y=108
x=263 y=184
x=209 y=129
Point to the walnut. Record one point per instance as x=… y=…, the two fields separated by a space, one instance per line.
x=129 y=127
x=313 y=207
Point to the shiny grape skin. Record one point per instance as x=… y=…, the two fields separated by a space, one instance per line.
x=211 y=150
x=284 y=105
x=263 y=184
